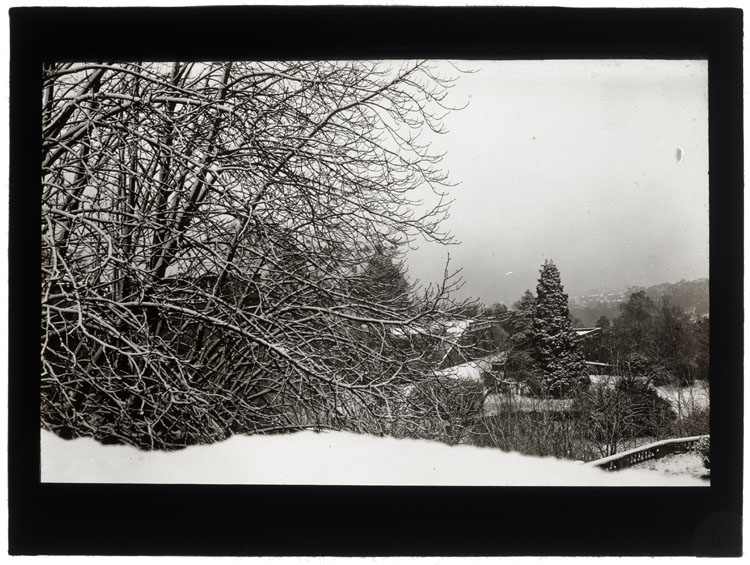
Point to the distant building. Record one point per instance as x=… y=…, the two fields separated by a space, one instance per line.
x=478 y=370
x=469 y=340
x=497 y=404
x=591 y=339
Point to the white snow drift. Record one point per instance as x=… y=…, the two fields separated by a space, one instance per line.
x=331 y=458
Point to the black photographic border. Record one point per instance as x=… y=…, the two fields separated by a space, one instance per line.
x=373 y=521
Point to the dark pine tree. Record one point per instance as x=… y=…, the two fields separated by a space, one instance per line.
x=557 y=351
x=387 y=283
x=526 y=304
x=521 y=325
x=520 y=364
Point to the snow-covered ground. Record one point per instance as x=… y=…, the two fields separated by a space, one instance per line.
x=682 y=464
x=686 y=399
x=330 y=458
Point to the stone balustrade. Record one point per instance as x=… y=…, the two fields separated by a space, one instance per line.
x=648 y=452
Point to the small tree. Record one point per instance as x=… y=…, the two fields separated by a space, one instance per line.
x=635 y=325
x=557 y=347
x=519 y=324
x=676 y=337
x=702 y=339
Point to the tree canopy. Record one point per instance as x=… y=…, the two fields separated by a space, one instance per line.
x=205 y=228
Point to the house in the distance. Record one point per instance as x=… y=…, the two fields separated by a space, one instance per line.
x=591 y=344
x=484 y=369
x=587 y=333
x=473 y=350
x=470 y=340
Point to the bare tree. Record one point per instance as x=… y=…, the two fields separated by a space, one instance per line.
x=205 y=228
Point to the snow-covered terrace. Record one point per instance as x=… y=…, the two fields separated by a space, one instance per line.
x=329 y=458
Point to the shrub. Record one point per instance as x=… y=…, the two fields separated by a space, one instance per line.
x=443 y=409
x=650 y=414
x=537 y=433
x=703 y=448
x=618 y=411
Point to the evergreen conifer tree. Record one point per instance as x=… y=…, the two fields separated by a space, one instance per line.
x=520 y=364
x=557 y=351
x=522 y=324
x=527 y=304
x=386 y=281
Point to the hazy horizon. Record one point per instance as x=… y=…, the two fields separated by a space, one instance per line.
x=599 y=165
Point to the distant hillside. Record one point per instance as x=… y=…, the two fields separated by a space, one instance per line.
x=692 y=296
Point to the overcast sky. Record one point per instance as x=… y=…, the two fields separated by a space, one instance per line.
x=601 y=166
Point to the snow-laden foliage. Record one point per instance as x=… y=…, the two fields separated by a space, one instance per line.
x=703 y=447
x=558 y=352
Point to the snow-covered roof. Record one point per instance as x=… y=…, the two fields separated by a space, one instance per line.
x=408 y=331
x=498 y=403
x=583 y=332
x=453 y=328
x=472 y=370
x=610 y=380
x=457 y=327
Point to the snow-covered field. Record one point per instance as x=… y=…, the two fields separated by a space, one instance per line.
x=330 y=458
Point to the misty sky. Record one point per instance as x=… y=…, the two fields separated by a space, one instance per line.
x=579 y=162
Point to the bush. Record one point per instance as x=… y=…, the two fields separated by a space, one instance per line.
x=650 y=414
x=703 y=448
x=539 y=433
x=617 y=412
x=443 y=409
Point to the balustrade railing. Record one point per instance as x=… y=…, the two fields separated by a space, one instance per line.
x=648 y=452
